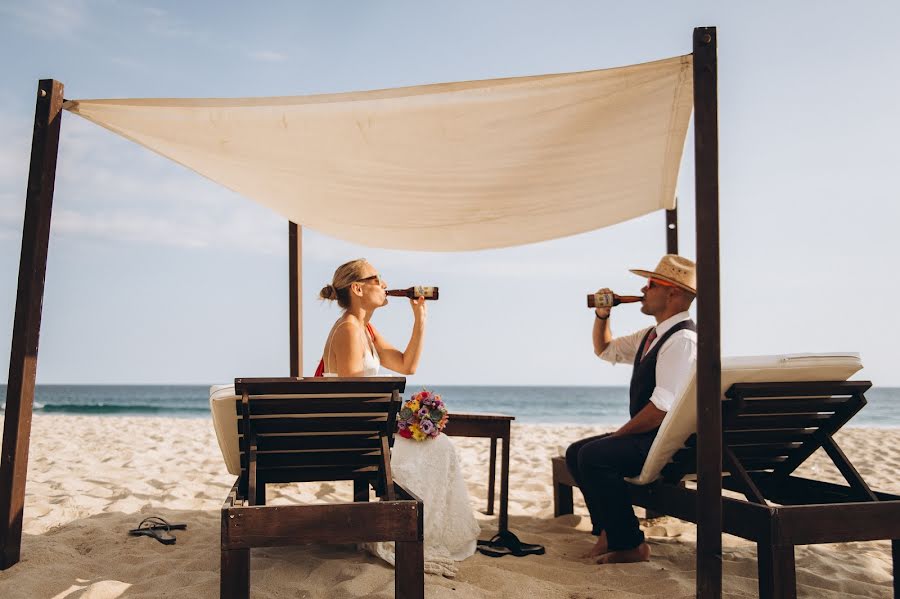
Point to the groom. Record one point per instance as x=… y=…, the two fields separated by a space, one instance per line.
x=663 y=357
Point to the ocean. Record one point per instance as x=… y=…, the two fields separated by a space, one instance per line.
x=538 y=405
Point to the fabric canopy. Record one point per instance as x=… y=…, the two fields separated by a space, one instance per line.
x=455 y=166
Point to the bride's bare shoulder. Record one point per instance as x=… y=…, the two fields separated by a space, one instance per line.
x=346 y=329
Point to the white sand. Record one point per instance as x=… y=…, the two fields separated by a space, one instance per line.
x=90 y=479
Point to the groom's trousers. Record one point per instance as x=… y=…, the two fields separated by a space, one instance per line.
x=599 y=465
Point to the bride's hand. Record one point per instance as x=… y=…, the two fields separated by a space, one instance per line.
x=418 y=308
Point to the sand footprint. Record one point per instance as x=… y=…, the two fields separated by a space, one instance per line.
x=325 y=489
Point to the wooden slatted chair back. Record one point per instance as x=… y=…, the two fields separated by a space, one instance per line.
x=298 y=430
x=775 y=427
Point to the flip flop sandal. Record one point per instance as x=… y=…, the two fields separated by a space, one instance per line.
x=494 y=551
x=158 y=523
x=528 y=549
x=157 y=528
x=511 y=544
x=495 y=540
x=163 y=536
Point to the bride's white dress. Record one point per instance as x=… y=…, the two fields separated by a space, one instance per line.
x=431 y=471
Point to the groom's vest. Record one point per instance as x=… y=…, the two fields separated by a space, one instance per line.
x=643 y=377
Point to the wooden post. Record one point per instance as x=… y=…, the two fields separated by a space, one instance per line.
x=295 y=284
x=709 y=363
x=503 y=520
x=895 y=562
x=27 y=323
x=672 y=229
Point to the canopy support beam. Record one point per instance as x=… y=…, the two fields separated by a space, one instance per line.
x=27 y=323
x=672 y=229
x=709 y=357
x=295 y=301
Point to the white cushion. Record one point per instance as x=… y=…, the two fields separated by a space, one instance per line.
x=681 y=421
x=222 y=404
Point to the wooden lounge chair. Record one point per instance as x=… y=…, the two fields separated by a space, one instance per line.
x=777 y=411
x=282 y=430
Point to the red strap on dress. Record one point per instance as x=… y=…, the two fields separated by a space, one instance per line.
x=320 y=369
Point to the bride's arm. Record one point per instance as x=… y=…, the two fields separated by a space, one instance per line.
x=407 y=361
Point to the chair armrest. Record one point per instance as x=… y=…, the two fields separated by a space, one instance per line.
x=404 y=493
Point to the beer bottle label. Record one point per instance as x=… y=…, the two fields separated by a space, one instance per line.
x=603 y=300
x=422 y=291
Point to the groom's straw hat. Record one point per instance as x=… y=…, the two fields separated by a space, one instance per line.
x=673 y=269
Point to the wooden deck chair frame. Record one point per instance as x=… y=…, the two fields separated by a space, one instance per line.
x=769 y=430
x=300 y=430
x=33 y=264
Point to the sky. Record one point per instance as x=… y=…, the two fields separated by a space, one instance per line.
x=157 y=276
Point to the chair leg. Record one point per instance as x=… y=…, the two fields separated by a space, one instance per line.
x=234 y=578
x=563 y=502
x=492 y=477
x=777 y=574
x=360 y=490
x=409 y=570
x=260 y=493
x=895 y=554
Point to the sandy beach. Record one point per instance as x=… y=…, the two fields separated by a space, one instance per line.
x=90 y=479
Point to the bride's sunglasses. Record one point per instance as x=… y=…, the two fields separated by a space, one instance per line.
x=374 y=278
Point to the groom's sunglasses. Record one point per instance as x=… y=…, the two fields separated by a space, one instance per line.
x=651 y=283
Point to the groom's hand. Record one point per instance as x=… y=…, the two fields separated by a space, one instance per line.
x=603 y=313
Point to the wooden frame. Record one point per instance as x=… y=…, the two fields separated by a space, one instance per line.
x=27 y=323
x=672 y=230
x=709 y=355
x=23 y=361
x=769 y=430
x=494 y=427
x=295 y=293
x=299 y=430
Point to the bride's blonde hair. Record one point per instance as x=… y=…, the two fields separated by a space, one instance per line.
x=345 y=275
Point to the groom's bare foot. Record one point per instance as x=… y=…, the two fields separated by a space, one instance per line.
x=641 y=553
x=599 y=548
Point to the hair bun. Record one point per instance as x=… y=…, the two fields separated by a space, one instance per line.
x=328 y=292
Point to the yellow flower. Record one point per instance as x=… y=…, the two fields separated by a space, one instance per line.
x=413 y=405
x=417 y=433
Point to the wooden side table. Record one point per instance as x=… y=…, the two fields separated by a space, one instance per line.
x=493 y=427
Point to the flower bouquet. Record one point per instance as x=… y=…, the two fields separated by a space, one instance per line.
x=423 y=416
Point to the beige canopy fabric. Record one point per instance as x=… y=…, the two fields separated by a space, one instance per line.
x=446 y=167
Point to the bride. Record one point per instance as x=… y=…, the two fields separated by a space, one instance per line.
x=428 y=468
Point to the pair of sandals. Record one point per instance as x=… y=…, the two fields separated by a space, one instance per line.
x=506 y=543
x=157 y=528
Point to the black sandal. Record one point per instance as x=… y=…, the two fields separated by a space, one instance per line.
x=493 y=551
x=506 y=543
x=157 y=528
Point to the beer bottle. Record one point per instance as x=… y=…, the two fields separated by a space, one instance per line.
x=608 y=300
x=429 y=293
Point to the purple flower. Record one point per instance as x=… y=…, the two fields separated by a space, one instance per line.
x=402 y=425
x=427 y=426
x=423 y=413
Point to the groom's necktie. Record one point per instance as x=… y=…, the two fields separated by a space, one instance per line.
x=650 y=339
